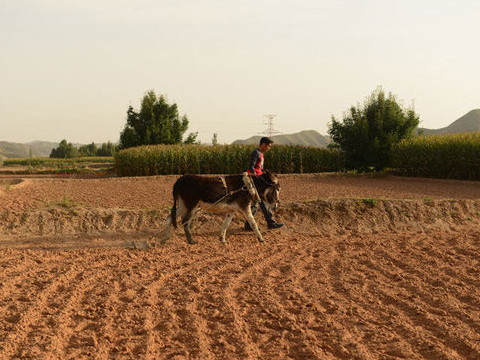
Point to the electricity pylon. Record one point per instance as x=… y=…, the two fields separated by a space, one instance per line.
x=270 y=131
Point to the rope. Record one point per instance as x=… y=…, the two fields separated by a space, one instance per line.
x=228 y=193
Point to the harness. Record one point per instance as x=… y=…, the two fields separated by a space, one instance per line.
x=274 y=185
x=249 y=186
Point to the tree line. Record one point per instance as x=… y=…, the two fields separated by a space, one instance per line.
x=366 y=134
x=68 y=150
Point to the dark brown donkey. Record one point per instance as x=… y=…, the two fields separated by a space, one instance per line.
x=221 y=194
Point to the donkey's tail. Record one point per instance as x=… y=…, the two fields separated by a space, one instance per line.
x=173 y=212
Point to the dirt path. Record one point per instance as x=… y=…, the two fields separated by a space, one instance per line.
x=345 y=279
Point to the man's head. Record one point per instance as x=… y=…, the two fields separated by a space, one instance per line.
x=265 y=144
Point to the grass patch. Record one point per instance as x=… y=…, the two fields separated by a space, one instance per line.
x=65 y=203
x=369 y=201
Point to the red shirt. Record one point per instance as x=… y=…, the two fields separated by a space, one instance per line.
x=255 y=166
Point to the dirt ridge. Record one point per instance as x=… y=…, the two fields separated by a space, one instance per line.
x=360 y=216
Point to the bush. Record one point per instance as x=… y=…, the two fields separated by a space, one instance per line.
x=367 y=134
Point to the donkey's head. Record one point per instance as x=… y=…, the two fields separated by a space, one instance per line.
x=271 y=190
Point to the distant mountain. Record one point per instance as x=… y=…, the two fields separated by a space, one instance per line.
x=306 y=138
x=43 y=147
x=470 y=122
x=31 y=149
x=10 y=150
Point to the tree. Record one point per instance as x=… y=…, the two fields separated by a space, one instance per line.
x=64 y=150
x=157 y=122
x=214 y=139
x=191 y=138
x=88 y=150
x=107 y=149
x=367 y=133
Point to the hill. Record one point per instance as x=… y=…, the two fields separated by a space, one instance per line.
x=470 y=122
x=43 y=147
x=31 y=149
x=306 y=138
x=11 y=150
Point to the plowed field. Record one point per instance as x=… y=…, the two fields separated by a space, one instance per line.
x=365 y=268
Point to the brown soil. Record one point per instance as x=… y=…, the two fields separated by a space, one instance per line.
x=365 y=268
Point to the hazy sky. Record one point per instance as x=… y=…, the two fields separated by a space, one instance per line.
x=70 y=68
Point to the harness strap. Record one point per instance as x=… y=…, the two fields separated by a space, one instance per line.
x=227 y=193
x=224 y=184
x=249 y=186
x=247 y=180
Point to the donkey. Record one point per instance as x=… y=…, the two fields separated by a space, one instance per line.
x=221 y=194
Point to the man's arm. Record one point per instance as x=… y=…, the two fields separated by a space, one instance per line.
x=254 y=157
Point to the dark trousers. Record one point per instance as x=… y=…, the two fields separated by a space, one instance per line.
x=266 y=213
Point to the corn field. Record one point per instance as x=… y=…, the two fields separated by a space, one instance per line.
x=223 y=159
x=439 y=156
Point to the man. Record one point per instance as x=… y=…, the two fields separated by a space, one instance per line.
x=255 y=167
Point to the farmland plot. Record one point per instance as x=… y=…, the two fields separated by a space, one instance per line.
x=365 y=268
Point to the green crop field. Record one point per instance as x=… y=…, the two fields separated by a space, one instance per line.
x=439 y=156
x=223 y=159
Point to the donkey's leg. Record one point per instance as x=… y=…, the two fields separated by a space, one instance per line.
x=180 y=211
x=225 y=225
x=167 y=233
x=253 y=224
x=187 y=222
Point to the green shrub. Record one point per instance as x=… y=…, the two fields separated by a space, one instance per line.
x=367 y=133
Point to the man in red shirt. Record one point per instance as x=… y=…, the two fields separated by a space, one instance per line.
x=255 y=167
